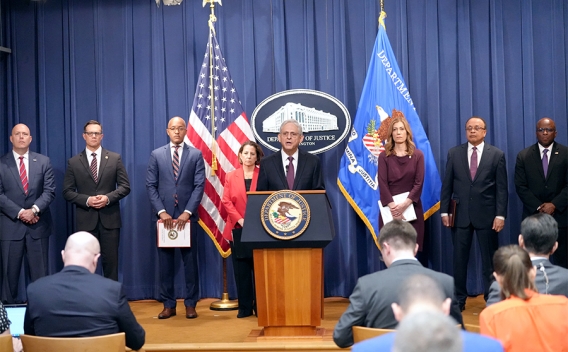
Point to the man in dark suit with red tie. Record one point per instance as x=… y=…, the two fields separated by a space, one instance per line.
x=27 y=188
x=476 y=178
x=95 y=181
x=290 y=167
x=541 y=181
x=175 y=182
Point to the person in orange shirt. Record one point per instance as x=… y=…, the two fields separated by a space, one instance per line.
x=525 y=320
x=237 y=183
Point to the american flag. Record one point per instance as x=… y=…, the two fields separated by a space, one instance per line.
x=218 y=133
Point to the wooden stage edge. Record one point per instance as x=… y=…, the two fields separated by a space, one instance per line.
x=222 y=331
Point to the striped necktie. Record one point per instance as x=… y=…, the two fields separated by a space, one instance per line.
x=23 y=175
x=94 y=167
x=175 y=165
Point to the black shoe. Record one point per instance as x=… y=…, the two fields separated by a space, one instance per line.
x=244 y=313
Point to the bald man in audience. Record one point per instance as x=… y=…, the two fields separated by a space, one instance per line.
x=419 y=294
x=539 y=237
x=76 y=302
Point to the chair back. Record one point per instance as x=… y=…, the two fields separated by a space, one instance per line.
x=6 y=343
x=361 y=333
x=104 y=343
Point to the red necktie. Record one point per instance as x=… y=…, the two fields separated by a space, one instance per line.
x=94 y=167
x=290 y=173
x=473 y=163
x=23 y=175
x=175 y=164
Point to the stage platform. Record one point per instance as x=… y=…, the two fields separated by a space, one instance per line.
x=222 y=331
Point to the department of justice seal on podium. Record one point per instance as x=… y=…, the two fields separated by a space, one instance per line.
x=285 y=215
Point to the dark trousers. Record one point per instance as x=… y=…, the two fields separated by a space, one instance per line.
x=109 y=240
x=167 y=274
x=462 y=238
x=13 y=252
x=243 y=268
x=560 y=257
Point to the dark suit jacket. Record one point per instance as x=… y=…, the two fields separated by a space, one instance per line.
x=235 y=198
x=479 y=200
x=556 y=276
x=75 y=303
x=272 y=176
x=78 y=185
x=370 y=302
x=161 y=186
x=534 y=189
x=41 y=192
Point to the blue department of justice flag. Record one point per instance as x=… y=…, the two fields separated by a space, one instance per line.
x=383 y=91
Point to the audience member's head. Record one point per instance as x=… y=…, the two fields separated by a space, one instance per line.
x=427 y=331
x=82 y=249
x=419 y=293
x=397 y=238
x=539 y=234
x=514 y=271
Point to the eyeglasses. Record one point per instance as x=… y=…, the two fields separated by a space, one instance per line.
x=547 y=130
x=179 y=129
x=93 y=134
x=291 y=134
x=476 y=128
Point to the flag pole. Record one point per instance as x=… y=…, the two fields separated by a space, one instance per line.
x=224 y=303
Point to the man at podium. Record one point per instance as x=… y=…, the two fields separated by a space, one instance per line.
x=290 y=167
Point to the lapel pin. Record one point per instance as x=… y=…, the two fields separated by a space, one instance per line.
x=556 y=153
x=106 y=156
x=36 y=159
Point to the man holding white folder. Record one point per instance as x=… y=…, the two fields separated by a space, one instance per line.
x=175 y=182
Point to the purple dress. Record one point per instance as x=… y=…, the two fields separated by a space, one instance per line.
x=399 y=174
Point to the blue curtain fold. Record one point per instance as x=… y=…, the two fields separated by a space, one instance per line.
x=133 y=65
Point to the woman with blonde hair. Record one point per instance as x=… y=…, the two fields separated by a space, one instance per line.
x=401 y=169
x=525 y=320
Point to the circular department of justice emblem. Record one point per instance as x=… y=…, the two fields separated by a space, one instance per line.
x=285 y=215
x=172 y=234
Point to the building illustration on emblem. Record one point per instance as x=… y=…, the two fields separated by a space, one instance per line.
x=310 y=119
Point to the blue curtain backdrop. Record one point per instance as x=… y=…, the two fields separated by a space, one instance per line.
x=133 y=65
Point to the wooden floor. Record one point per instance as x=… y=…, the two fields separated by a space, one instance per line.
x=223 y=331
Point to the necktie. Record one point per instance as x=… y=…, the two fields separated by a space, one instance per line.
x=473 y=163
x=175 y=165
x=290 y=173
x=94 y=167
x=545 y=162
x=23 y=175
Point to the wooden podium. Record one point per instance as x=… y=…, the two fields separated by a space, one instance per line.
x=289 y=273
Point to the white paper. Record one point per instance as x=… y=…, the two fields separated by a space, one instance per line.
x=409 y=214
x=173 y=237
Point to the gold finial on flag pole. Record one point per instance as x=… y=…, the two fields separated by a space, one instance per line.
x=383 y=15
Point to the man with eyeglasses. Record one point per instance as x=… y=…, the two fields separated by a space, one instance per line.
x=27 y=188
x=175 y=182
x=476 y=179
x=541 y=181
x=95 y=181
x=290 y=167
